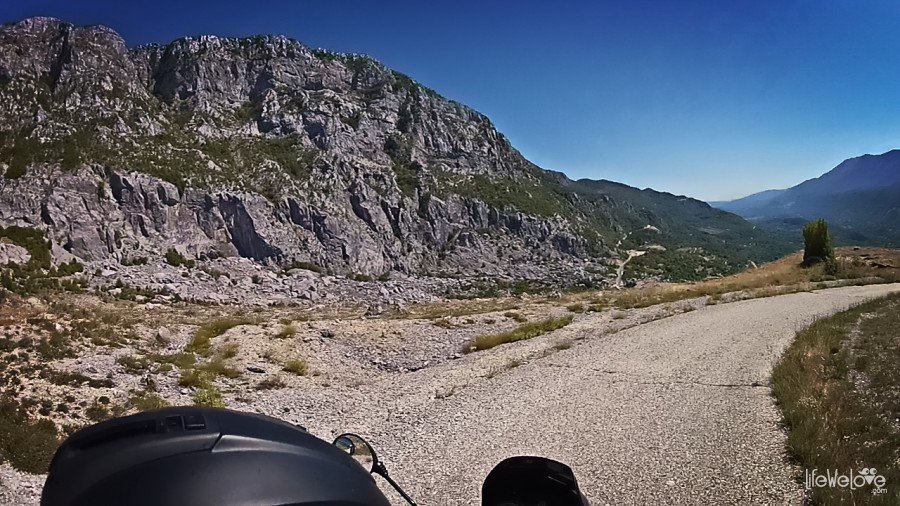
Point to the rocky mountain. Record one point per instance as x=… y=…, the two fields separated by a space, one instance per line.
x=265 y=149
x=860 y=198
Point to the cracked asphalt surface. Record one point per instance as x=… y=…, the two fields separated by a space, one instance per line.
x=675 y=411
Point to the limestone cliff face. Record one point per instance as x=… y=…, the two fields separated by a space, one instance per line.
x=263 y=148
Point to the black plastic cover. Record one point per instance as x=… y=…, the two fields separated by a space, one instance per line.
x=200 y=456
x=531 y=481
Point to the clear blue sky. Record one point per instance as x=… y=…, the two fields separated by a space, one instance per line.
x=712 y=99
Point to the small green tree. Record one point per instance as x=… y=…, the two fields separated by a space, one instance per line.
x=818 y=243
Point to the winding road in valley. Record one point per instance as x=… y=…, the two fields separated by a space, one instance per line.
x=674 y=411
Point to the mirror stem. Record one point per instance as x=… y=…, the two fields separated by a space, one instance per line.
x=380 y=470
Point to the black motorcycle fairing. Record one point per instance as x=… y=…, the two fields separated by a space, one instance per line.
x=531 y=481
x=201 y=456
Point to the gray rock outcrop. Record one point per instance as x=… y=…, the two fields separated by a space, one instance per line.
x=263 y=148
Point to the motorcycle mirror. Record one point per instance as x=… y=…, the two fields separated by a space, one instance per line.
x=363 y=453
x=358 y=448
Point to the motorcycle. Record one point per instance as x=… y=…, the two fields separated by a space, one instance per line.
x=200 y=456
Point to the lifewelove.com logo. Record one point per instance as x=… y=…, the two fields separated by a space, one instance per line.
x=865 y=477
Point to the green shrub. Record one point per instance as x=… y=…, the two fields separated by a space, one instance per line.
x=146 y=401
x=194 y=378
x=817 y=240
x=134 y=261
x=352 y=121
x=33 y=241
x=176 y=259
x=309 y=266
x=218 y=367
x=209 y=396
x=25 y=443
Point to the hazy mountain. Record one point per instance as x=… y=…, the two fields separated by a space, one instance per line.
x=263 y=148
x=746 y=203
x=860 y=198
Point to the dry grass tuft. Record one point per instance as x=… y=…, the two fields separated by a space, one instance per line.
x=563 y=345
x=200 y=343
x=443 y=323
x=271 y=383
x=288 y=331
x=516 y=316
x=297 y=366
x=525 y=331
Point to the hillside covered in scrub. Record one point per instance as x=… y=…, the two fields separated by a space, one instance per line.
x=264 y=149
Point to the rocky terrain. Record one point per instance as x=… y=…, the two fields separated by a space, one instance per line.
x=264 y=149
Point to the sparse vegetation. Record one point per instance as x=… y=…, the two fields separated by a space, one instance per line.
x=97 y=412
x=297 y=366
x=513 y=315
x=37 y=276
x=837 y=388
x=562 y=345
x=509 y=364
x=209 y=396
x=525 y=331
x=786 y=275
x=271 y=383
x=200 y=343
x=229 y=350
x=145 y=400
x=194 y=378
x=175 y=258
x=182 y=360
x=288 y=331
x=443 y=323
x=133 y=363
x=25 y=443
x=76 y=379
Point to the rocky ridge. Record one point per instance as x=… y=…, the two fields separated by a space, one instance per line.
x=265 y=149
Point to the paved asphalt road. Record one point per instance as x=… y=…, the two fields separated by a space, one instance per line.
x=675 y=411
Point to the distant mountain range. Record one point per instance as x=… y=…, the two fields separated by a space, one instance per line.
x=860 y=198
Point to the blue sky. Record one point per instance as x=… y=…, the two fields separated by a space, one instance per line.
x=712 y=99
